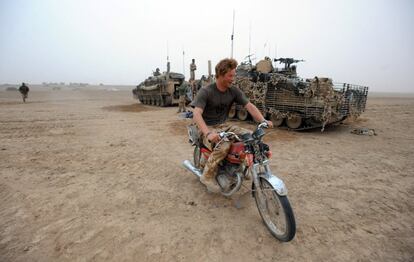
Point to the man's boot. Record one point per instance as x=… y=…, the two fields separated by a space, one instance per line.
x=210 y=169
x=211 y=184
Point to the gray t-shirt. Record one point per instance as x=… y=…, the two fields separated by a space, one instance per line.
x=216 y=104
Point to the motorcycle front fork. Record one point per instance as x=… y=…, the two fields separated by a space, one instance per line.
x=262 y=171
x=257 y=169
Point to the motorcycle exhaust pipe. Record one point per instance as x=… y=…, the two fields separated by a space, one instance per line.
x=187 y=164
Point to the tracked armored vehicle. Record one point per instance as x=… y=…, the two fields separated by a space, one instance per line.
x=288 y=100
x=159 y=89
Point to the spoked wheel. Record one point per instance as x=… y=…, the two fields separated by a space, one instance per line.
x=276 y=212
x=294 y=121
x=276 y=120
x=232 y=112
x=242 y=114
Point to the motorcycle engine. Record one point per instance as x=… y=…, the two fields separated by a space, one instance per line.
x=226 y=177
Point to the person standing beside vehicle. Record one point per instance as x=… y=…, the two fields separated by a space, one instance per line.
x=182 y=91
x=211 y=108
x=192 y=81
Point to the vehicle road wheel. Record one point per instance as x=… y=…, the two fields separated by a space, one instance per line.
x=168 y=101
x=276 y=119
x=242 y=114
x=275 y=210
x=294 y=121
x=162 y=102
x=232 y=112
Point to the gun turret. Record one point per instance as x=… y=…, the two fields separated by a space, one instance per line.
x=287 y=61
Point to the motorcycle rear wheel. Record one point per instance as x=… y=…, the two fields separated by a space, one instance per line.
x=276 y=212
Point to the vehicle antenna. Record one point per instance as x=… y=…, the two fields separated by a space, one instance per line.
x=250 y=37
x=275 y=50
x=183 y=62
x=168 y=57
x=269 y=50
x=232 y=35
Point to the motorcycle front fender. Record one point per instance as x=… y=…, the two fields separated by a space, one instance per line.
x=273 y=180
x=276 y=183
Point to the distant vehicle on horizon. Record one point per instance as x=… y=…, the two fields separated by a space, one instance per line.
x=160 y=89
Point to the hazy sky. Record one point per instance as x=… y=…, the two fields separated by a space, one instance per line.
x=366 y=42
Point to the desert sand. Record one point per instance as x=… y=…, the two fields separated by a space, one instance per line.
x=92 y=175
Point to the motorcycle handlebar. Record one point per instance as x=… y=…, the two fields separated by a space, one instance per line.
x=263 y=124
x=227 y=134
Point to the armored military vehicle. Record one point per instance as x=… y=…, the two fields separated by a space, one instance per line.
x=160 y=89
x=288 y=100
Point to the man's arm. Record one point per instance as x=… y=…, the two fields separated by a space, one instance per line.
x=252 y=109
x=198 y=118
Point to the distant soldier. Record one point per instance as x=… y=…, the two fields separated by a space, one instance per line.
x=24 y=90
x=182 y=91
x=157 y=72
x=193 y=68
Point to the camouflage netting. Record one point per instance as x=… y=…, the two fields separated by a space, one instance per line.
x=256 y=92
x=314 y=100
x=323 y=88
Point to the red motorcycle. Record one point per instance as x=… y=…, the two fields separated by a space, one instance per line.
x=249 y=157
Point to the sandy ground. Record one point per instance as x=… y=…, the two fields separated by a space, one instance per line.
x=95 y=176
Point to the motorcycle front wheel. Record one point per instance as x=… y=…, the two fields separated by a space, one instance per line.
x=275 y=210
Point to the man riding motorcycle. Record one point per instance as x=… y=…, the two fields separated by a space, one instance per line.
x=211 y=108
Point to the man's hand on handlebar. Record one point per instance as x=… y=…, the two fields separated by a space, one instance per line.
x=267 y=124
x=213 y=137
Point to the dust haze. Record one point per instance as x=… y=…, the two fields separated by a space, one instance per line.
x=369 y=43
